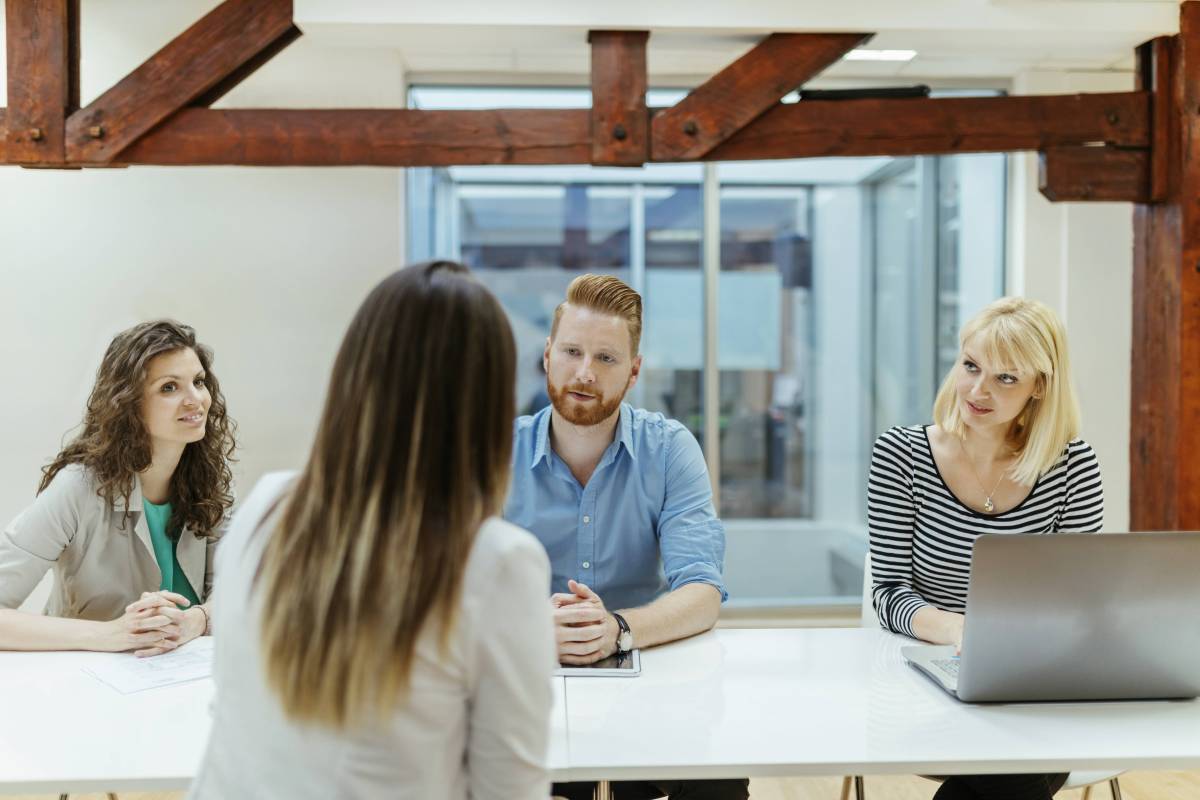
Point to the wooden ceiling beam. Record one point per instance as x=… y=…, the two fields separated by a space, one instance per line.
x=155 y=115
x=1094 y=173
x=208 y=57
x=247 y=69
x=864 y=127
x=740 y=93
x=1154 y=76
x=620 y=124
x=367 y=137
x=43 y=79
x=401 y=137
x=927 y=126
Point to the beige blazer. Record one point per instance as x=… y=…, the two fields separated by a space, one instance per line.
x=101 y=561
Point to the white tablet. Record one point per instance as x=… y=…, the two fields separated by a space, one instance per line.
x=627 y=666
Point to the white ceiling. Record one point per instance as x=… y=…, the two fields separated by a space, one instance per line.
x=956 y=40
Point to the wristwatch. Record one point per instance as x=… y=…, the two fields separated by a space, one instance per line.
x=624 y=635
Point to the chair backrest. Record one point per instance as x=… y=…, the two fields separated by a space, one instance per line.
x=869 y=618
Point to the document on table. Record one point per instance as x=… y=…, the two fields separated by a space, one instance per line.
x=127 y=673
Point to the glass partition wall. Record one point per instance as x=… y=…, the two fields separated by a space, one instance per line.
x=841 y=287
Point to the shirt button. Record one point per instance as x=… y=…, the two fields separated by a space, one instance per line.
x=587 y=565
x=586 y=519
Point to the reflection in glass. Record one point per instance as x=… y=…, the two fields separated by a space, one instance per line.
x=764 y=350
x=843 y=284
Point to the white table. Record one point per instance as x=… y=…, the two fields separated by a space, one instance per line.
x=62 y=730
x=738 y=703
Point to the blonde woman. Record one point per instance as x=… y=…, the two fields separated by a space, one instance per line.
x=1003 y=456
x=388 y=633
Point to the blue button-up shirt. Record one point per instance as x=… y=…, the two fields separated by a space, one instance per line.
x=642 y=526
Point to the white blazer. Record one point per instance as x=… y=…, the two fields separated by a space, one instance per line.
x=476 y=721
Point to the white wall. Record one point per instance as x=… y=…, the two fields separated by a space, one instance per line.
x=1078 y=258
x=267 y=265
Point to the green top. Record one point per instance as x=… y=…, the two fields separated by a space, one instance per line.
x=173 y=579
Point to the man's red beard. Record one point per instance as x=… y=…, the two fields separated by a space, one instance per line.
x=595 y=411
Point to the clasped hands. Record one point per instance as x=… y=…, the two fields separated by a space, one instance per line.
x=583 y=628
x=154 y=624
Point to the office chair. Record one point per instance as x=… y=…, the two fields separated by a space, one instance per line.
x=1075 y=780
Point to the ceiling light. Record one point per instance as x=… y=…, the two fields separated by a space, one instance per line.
x=880 y=55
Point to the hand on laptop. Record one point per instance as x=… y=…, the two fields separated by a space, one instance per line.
x=931 y=624
x=956 y=631
x=583 y=628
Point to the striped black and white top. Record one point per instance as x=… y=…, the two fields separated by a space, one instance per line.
x=922 y=534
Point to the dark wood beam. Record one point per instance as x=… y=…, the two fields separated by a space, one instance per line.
x=368 y=137
x=400 y=137
x=1165 y=381
x=620 y=130
x=1094 y=173
x=246 y=70
x=927 y=126
x=201 y=59
x=1154 y=76
x=43 y=78
x=738 y=94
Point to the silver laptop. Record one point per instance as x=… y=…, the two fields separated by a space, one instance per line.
x=1076 y=617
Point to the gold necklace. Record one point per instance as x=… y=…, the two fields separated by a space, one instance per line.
x=988 y=505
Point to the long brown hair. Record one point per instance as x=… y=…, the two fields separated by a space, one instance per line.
x=114 y=445
x=411 y=455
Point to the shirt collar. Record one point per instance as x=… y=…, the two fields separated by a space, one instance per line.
x=541 y=436
x=541 y=427
x=625 y=430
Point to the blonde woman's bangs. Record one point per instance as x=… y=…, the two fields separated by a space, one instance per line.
x=1004 y=343
x=1025 y=336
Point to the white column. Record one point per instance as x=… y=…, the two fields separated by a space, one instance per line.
x=842 y=347
x=1078 y=259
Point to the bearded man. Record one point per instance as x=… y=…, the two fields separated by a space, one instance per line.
x=620 y=498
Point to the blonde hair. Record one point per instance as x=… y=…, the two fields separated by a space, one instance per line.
x=411 y=455
x=1027 y=336
x=607 y=295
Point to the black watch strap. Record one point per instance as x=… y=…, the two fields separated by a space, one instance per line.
x=623 y=627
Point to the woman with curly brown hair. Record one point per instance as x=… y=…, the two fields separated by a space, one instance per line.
x=127 y=515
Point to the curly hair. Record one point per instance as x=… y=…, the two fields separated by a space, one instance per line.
x=115 y=446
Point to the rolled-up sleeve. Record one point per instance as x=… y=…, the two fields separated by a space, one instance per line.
x=691 y=538
x=33 y=541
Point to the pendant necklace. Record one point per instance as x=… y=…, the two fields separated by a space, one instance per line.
x=988 y=505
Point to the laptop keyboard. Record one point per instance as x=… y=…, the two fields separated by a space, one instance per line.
x=947 y=665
